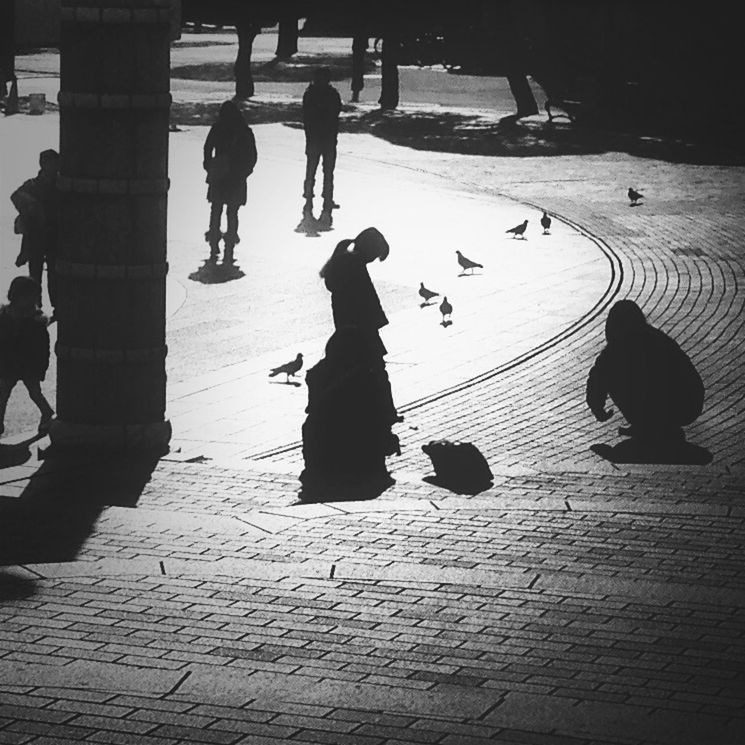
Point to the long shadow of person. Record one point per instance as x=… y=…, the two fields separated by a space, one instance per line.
x=347 y=432
x=211 y=272
x=655 y=386
x=56 y=513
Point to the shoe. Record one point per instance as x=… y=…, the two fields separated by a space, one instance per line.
x=325 y=221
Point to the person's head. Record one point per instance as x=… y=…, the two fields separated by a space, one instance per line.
x=230 y=114
x=625 y=320
x=49 y=162
x=24 y=292
x=370 y=245
x=322 y=76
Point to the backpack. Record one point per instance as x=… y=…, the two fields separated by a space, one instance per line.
x=459 y=466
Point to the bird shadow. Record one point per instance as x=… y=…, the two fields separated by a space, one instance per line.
x=424 y=305
x=470 y=274
x=632 y=451
x=212 y=273
x=445 y=324
x=640 y=204
x=286 y=382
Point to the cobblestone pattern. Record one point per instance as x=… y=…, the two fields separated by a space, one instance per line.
x=682 y=657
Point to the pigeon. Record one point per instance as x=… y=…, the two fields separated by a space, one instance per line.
x=445 y=308
x=545 y=223
x=426 y=294
x=634 y=196
x=518 y=230
x=466 y=263
x=289 y=368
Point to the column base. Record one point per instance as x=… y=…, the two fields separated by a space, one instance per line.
x=110 y=439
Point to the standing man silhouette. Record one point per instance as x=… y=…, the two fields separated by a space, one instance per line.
x=321 y=107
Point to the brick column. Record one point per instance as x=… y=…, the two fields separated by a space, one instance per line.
x=113 y=184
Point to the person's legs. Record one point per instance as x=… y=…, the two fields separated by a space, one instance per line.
x=329 y=163
x=313 y=156
x=231 y=237
x=47 y=412
x=213 y=235
x=6 y=386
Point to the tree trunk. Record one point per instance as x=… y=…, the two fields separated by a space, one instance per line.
x=359 y=47
x=520 y=88
x=287 y=38
x=244 y=82
x=389 y=84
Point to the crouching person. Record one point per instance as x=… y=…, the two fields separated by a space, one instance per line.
x=347 y=433
x=648 y=377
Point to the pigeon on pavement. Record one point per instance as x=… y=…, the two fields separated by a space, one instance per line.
x=518 y=230
x=445 y=308
x=545 y=223
x=289 y=368
x=426 y=294
x=466 y=263
x=634 y=196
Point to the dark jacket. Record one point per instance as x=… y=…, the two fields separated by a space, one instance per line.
x=229 y=158
x=37 y=203
x=24 y=345
x=648 y=376
x=321 y=107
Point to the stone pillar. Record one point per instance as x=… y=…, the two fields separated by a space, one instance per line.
x=113 y=189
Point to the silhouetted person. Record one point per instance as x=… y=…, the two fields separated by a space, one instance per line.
x=229 y=159
x=37 y=204
x=648 y=376
x=321 y=107
x=24 y=347
x=347 y=433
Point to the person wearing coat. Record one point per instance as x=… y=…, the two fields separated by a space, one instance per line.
x=648 y=376
x=24 y=347
x=347 y=432
x=229 y=159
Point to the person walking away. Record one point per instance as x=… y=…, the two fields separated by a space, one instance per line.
x=24 y=347
x=648 y=376
x=347 y=433
x=38 y=220
x=229 y=159
x=321 y=108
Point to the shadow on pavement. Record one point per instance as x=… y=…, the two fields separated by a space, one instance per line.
x=13 y=587
x=57 y=511
x=459 y=487
x=212 y=273
x=18 y=453
x=452 y=132
x=358 y=492
x=631 y=451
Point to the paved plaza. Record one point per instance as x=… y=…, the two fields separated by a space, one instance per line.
x=576 y=601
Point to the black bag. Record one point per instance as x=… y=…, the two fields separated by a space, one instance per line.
x=459 y=466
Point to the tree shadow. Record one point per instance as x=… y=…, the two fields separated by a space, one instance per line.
x=632 y=451
x=471 y=134
x=57 y=511
x=211 y=272
x=299 y=68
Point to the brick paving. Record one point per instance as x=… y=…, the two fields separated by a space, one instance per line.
x=573 y=602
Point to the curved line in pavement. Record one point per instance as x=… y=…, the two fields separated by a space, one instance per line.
x=614 y=285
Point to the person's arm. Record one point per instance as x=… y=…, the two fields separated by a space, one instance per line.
x=250 y=156
x=209 y=146
x=25 y=201
x=596 y=392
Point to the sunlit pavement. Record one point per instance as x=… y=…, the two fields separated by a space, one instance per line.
x=576 y=601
